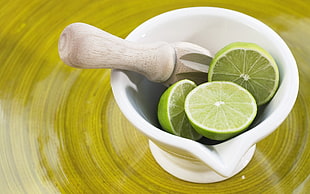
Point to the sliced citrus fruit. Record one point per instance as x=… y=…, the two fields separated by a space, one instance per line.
x=171 y=114
x=248 y=65
x=219 y=110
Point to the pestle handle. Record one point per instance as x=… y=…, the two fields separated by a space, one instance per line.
x=85 y=46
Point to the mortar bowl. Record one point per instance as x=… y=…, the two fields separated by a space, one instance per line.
x=212 y=28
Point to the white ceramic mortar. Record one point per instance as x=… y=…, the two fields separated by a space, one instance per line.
x=212 y=28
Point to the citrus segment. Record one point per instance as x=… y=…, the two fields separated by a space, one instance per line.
x=171 y=113
x=220 y=110
x=248 y=65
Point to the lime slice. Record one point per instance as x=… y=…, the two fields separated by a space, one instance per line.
x=220 y=110
x=171 y=114
x=248 y=65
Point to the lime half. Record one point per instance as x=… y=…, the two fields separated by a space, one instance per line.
x=171 y=113
x=248 y=65
x=220 y=110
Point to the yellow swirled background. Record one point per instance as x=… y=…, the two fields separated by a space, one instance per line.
x=62 y=132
